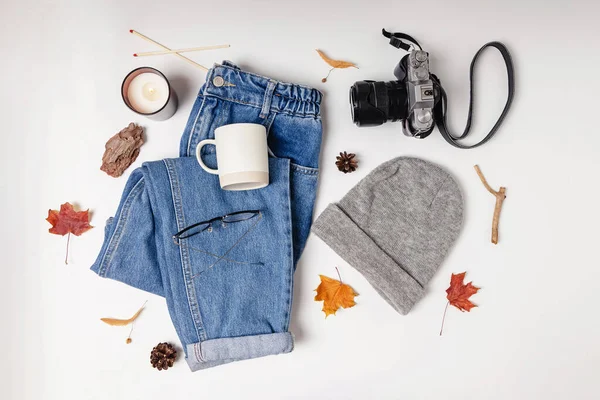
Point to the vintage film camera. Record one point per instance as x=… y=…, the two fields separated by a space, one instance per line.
x=417 y=97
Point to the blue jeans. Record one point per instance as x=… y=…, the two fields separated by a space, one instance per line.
x=229 y=285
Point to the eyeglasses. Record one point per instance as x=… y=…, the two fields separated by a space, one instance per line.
x=199 y=227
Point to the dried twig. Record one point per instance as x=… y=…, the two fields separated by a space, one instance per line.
x=500 y=196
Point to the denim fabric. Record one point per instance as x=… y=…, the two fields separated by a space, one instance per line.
x=228 y=288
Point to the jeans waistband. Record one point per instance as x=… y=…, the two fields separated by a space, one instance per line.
x=228 y=82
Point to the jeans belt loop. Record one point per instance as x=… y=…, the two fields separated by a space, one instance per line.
x=266 y=107
x=208 y=80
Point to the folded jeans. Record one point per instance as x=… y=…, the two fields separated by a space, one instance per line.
x=228 y=288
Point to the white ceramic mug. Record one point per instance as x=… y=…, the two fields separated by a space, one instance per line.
x=242 y=156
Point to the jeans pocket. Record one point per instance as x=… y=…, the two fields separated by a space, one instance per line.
x=297 y=139
x=311 y=172
x=244 y=286
x=223 y=240
x=245 y=300
x=303 y=186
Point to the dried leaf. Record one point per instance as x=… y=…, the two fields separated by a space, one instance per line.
x=334 y=295
x=335 y=63
x=67 y=220
x=122 y=322
x=458 y=295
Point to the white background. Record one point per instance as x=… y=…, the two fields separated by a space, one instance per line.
x=535 y=333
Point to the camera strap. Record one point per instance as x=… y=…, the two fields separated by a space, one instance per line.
x=396 y=40
x=441 y=107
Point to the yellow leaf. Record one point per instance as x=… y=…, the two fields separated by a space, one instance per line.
x=122 y=322
x=334 y=295
x=335 y=63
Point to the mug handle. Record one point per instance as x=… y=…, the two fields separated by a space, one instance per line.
x=199 y=156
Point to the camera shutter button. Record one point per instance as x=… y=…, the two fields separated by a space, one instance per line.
x=421 y=55
x=424 y=116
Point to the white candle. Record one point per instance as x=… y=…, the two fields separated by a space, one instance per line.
x=148 y=92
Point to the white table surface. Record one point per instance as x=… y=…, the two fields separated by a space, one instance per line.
x=535 y=333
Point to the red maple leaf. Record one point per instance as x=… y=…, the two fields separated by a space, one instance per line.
x=458 y=295
x=67 y=220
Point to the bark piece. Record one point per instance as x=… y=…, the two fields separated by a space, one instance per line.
x=122 y=149
x=500 y=196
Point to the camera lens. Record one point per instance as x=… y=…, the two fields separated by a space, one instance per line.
x=374 y=103
x=353 y=102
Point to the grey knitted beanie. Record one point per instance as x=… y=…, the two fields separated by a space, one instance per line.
x=396 y=227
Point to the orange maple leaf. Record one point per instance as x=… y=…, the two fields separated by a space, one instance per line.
x=67 y=220
x=458 y=295
x=334 y=295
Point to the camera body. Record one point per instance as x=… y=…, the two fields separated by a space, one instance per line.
x=410 y=99
x=417 y=97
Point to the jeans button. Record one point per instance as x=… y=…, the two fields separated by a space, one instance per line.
x=218 y=81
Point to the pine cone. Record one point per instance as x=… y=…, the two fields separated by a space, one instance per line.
x=346 y=162
x=163 y=356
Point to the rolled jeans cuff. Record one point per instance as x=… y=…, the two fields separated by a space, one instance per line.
x=213 y=352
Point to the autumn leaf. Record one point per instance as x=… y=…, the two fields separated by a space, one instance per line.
x=334 y=295
x=334 y=64
x=458 y=295
x=67 y=221
x=124 y=322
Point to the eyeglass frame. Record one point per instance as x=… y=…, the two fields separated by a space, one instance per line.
x=177 y=236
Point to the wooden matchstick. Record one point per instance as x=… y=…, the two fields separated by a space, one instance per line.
x=160 y=53
x=146 y=38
